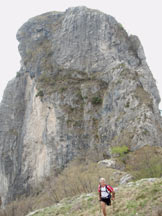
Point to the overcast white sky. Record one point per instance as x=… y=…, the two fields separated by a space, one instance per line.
x=139 y=17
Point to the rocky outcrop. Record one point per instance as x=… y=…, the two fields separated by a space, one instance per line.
x=108 y=163
x=126 y=178
x=83 y=84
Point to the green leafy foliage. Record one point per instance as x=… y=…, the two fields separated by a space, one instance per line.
x=96 y=100
x=121 y=150
x=18 y=74
x=40 y=93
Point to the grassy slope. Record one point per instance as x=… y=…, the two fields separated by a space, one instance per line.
x=141 y=198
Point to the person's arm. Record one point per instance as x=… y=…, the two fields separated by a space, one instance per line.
x=113 y=195
x=99 y=193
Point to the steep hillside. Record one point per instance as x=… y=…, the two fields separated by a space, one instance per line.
x=60 y=192
x=142 y=198
x=83 y=87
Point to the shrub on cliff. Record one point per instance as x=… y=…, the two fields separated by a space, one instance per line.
x=40 y=93
x=120 y=150
x=96 y=100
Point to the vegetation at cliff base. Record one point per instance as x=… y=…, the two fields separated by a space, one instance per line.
x=72 y=191
x=140 y=198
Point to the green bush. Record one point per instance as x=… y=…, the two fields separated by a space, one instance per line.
x=127 y=104
x=121 y=150
x=18 y=74
x=96 y=100
x=40 y=93
x=121 y=26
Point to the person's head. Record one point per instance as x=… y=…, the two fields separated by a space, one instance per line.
x=102 y=181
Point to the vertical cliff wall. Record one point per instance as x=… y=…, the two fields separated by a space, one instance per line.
x=83 y=84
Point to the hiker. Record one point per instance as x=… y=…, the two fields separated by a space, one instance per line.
x=105 y=192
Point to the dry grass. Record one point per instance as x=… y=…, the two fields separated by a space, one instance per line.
x=145 y=162
x=142 y=198
x=79 y=177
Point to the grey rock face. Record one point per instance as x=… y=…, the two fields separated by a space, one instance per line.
x=12 y=110
x=83 y=84
x=126 y=178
